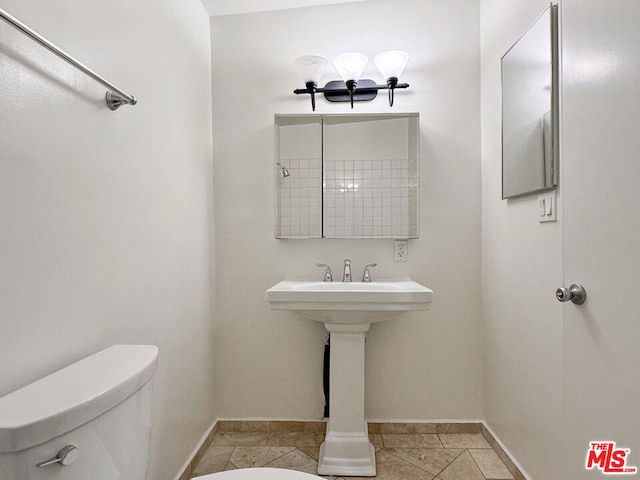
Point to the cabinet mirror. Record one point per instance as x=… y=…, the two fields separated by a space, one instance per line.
x=347 y=176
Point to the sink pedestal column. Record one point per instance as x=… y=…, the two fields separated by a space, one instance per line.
x=346 y=449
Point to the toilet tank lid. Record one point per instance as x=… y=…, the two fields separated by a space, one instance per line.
x=73 y=396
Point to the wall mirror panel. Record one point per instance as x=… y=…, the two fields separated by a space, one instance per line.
x=530 y=109
x=347 y=176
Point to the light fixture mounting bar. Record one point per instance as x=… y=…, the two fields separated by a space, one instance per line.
x=336 y=91
x=338 y=86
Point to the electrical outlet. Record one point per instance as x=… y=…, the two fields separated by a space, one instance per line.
x=400 y=250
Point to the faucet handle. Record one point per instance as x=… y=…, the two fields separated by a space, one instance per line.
x=327 y=273
x=366 y=276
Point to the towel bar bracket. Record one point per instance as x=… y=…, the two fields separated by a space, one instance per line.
x=115 y=101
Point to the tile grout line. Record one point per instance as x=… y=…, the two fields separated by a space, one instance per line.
x=479 y=469
x=293 y=449
x=406 y=461
x=435 y=477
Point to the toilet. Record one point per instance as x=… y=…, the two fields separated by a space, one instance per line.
x=259 y=474
x=90 y=420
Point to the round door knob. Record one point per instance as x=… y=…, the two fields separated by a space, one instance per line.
x=575 y=293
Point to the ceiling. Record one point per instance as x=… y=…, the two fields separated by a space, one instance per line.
x=230 y=7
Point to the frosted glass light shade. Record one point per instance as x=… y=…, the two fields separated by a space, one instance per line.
x=350 y=65
x=310 y=67
x=391 y=63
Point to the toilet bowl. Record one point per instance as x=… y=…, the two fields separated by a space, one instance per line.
x=259 y=474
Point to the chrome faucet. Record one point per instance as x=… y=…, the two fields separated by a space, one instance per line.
x=327 y=273
x=366 y=276
x=346 y=275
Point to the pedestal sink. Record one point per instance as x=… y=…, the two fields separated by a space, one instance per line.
x=347 y=310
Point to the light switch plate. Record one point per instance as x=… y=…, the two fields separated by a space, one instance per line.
x=547 y=207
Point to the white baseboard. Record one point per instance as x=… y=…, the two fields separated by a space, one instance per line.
x=187 y=465
x=506 y=451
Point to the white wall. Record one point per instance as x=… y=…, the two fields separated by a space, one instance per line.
x=522 y=266
x=107 y=216
x=269 y=363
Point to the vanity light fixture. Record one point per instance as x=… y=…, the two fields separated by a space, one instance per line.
x=311 y=68
x=391 y=65
x=350 y=67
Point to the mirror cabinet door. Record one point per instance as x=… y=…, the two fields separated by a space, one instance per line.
x=298 y=176
x=530 y=110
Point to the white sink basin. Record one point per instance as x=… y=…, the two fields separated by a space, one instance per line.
x=349 y=302
x=347 y=310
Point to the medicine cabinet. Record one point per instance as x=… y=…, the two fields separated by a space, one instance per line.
x=347 y=176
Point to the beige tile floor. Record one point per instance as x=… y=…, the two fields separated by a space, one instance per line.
x=401 y=453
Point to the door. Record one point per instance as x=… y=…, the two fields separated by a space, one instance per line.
x=601 y=196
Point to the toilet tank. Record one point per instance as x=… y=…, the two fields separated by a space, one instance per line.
x=100 y=405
